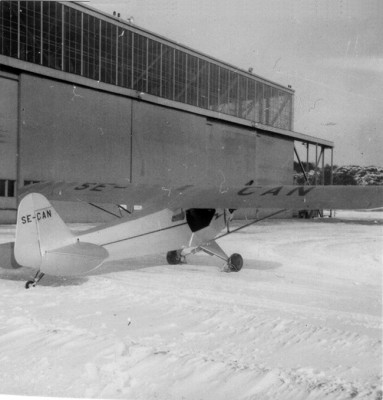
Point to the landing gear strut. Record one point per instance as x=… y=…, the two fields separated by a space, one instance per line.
x=35 y=281
x=234 y=263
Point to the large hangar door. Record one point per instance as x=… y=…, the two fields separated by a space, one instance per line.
x=73 y=133
x=275 y=157
x=231 y=154
x=175 y=147
x=8 y=140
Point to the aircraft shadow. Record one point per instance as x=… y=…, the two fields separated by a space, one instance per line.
x=249 y=263
x=261 y=265
x=25 y=274
x=199 y=261
x=131 y=264
x=349 y=221
x=9 y=272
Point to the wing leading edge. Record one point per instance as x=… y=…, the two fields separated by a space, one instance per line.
x=192 y=196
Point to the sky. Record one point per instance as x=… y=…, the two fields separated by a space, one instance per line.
x=329 y=51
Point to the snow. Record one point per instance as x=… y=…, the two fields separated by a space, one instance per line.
x=302 y=320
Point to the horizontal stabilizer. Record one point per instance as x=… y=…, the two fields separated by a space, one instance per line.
x=75 y=259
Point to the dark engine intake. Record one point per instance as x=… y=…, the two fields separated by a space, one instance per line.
x=199 y=218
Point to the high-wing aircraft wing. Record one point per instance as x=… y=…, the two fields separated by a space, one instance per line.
x=192 y=196
x=178 y=220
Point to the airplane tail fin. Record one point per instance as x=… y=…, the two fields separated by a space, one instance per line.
x=44 y=242
x=39 y=229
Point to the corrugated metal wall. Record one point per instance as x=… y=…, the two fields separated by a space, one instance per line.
x=171 y=146
x=8 y=144
x=275 y=159
x=75 y=133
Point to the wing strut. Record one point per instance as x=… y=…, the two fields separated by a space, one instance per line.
x=103 y=209
x=229 y=232
x=119 y=206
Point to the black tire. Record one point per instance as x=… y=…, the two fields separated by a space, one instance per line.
x=29 y=284
x=174 y=257
x=235 y=262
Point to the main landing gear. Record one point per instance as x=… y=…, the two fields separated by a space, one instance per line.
x=35 y=281
x=234 y=263
x=175 y=257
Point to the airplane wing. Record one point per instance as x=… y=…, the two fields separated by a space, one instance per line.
x=176 y=218
x=193 y=196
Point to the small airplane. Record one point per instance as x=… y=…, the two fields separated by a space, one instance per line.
x=176 y=220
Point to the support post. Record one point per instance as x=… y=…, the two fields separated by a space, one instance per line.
x=316 y=164
x=301 y=165
x=331 y=173
x=323 y=150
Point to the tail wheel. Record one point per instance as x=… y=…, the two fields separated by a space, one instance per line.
x=39 y=275
x=29 y=284
x=174 y=257
x=235 y=262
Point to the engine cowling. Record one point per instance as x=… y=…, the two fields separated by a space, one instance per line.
x=199 y=218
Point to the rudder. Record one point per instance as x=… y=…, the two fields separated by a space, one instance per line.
x=39 y=229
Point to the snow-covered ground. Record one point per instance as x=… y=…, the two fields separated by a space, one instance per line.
x=302 y=320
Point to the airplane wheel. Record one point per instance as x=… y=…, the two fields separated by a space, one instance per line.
x=235 y=262
x=29 y=284
x=174 y=257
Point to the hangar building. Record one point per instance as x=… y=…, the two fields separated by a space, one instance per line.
x=88 y=97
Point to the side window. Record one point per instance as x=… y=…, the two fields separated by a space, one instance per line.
x=11 y=188
x=2 y=187
x=7 y=188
